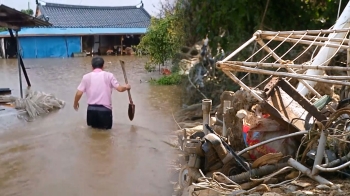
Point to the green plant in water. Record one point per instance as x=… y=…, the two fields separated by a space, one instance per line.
x=172 y=79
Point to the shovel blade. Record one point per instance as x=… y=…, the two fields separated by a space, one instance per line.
x=131 y=111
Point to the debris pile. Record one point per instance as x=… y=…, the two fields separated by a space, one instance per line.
x=35 y=103
x=279 y=137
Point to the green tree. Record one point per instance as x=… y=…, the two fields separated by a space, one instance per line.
x=162 y=39
x=185 y=16
x=28 y=11
x=239 y=19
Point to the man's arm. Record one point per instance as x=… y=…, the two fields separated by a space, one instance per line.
x=117 y=86
x=79 y=93
x=123 y=88
x=77 y=98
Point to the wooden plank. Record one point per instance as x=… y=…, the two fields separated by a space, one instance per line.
x=289 y=89
x=9 y=105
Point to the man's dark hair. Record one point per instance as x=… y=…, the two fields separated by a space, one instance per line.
x=97 y=62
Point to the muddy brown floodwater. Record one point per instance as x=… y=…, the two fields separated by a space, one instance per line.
x=59 y=155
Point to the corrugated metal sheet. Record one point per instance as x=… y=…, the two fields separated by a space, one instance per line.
x=49 y=47
x=29 y=32
x=62 y=15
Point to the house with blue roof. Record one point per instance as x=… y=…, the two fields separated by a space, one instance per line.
x=80 y=29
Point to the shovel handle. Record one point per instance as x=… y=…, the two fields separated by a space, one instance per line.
x=126 y=78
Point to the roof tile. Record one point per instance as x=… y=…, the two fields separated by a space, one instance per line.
x=67 y=16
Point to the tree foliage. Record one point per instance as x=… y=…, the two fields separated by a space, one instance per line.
x=239 y=19
x=185 y=24
x=162 y=39
x=28 y=11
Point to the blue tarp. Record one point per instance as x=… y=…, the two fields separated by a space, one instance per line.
x=75 y=31
x=52 y=46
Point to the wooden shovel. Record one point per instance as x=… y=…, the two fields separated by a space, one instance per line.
x=131 y=109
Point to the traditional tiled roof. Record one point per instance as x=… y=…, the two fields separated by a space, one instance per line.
x=76 y=16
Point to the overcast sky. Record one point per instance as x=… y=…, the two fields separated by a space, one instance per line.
x=150 y=5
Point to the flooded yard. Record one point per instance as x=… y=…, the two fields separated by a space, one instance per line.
x=59 y=155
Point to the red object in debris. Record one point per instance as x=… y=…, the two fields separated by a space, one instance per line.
x=245 y=128
x=165 y=71
x=266 y=115
x=251 y=138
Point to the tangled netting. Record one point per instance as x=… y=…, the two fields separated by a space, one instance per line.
x=36 y=103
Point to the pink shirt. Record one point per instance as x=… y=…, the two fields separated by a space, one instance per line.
x=98 y=86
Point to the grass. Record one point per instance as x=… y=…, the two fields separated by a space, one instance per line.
x=172 y=79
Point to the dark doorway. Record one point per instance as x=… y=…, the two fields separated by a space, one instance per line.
x=10 y=47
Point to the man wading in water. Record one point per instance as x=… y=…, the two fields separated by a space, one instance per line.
x=98 y=86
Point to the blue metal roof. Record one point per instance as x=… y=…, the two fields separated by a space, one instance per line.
x=61 y=15
x=29 y=32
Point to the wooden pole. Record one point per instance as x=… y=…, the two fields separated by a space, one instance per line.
x=121 y=47
x=20 y=59
x=19 y=65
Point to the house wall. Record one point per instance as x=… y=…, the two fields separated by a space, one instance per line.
x=49 y=47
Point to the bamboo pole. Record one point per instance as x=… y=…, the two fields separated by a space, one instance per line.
x=291 y=40
x=240 y=48
x=262 y=43
x=308 y=37
x=231 y=67
x=270 y=52
x=296 y=66
x=256 y=52
x=313 y=76
x=245 y=87
x=340 y=30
